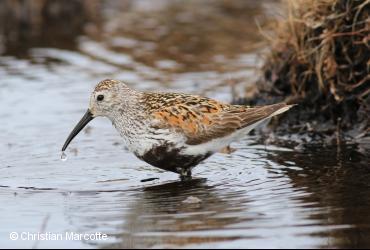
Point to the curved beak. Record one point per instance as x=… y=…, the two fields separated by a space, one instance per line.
x=80 y=125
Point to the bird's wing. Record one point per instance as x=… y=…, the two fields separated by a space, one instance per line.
x=208 y=119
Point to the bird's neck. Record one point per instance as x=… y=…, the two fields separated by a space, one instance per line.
x=126 y=106
x=129 y=117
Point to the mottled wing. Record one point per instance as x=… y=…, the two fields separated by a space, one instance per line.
x=235 y=118
x=204 y=119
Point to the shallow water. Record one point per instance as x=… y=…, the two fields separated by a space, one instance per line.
x=259 y=196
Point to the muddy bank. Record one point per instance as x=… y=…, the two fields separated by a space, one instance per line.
x=319 y=58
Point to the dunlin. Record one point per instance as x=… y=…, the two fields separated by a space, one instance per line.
x=172 y=131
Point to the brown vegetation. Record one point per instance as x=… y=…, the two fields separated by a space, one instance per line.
x=320 y=58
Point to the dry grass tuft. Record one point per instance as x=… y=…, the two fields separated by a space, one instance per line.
x=320 y=58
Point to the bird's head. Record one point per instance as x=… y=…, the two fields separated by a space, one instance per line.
x=108 y=97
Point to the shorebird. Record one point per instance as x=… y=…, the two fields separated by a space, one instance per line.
x=172 y=131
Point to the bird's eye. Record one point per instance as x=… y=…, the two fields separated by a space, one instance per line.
x=100 y=98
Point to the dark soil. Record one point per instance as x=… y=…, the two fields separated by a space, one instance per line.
x=320 y=59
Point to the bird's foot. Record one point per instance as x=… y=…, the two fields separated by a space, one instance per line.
x=185 y=174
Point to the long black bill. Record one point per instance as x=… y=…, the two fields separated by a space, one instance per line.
x=80 y=125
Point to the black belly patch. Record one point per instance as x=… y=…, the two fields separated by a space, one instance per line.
x=169 y=158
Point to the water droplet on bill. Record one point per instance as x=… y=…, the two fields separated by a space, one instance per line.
x=63 y=157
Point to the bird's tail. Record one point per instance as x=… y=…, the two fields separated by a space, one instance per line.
x=256 y=115
x=278 y=108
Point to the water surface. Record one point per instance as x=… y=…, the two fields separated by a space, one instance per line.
x=262 y=195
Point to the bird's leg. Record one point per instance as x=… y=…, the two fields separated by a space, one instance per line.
x=185 y=174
